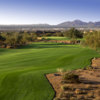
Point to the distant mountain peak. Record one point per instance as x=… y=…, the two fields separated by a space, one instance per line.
x=67 y=24
x=80 y=24
x=77 y=20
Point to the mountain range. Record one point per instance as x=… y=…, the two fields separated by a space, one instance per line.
x=64 y=25
x=79 y=24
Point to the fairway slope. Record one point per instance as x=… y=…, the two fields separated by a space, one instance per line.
x=22 y=70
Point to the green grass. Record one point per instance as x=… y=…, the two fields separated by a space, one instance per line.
x=60 y=38
x=57 y=38
x=22 y=71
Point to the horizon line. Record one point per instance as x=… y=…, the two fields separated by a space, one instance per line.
x=52 y=24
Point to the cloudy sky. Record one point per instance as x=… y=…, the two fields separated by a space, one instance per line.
x=48 y=11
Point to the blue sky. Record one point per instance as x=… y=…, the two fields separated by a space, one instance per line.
x=48 y=11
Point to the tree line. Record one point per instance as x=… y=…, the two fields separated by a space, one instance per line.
x=71 y=33
x=14 y=40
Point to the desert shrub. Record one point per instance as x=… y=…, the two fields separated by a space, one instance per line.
x=71 y=78
x=89 y=67
x=56 y=99
x=68 y=94
x=73 y=33
x=67 y=87
x=59 y=34
x=60 y=70
x=2 y=38
x=80 y=91
x=92 y=40
x=13 y=40
x=43 y=38
x=73 y=41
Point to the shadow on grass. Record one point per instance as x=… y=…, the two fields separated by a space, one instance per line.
x=47 y=45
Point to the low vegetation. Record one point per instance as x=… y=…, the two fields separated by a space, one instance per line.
x=70 y=77
x=92 y=40
x=13 y=40
x=73 y=33
x=17 y=39
x=88 y=87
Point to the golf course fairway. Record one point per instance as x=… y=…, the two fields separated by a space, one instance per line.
x=22 y=71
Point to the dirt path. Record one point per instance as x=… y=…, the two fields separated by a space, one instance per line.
x=90 y=84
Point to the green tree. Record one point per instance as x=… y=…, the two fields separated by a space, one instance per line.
x=92 y=40
x=73 y=33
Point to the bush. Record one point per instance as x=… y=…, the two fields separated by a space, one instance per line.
x=60 y=70
x=13 y=40
x=73 y=33
x=80 y=91
x=56 y=99
x=71 y=78
x=73 y=41
x=92 y=40
x=89 y=67
x=67 y=87
x=68 y=94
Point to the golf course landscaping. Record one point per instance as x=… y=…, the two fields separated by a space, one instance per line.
x=23 y=70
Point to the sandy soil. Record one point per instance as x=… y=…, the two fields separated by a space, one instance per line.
x=90 y=83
